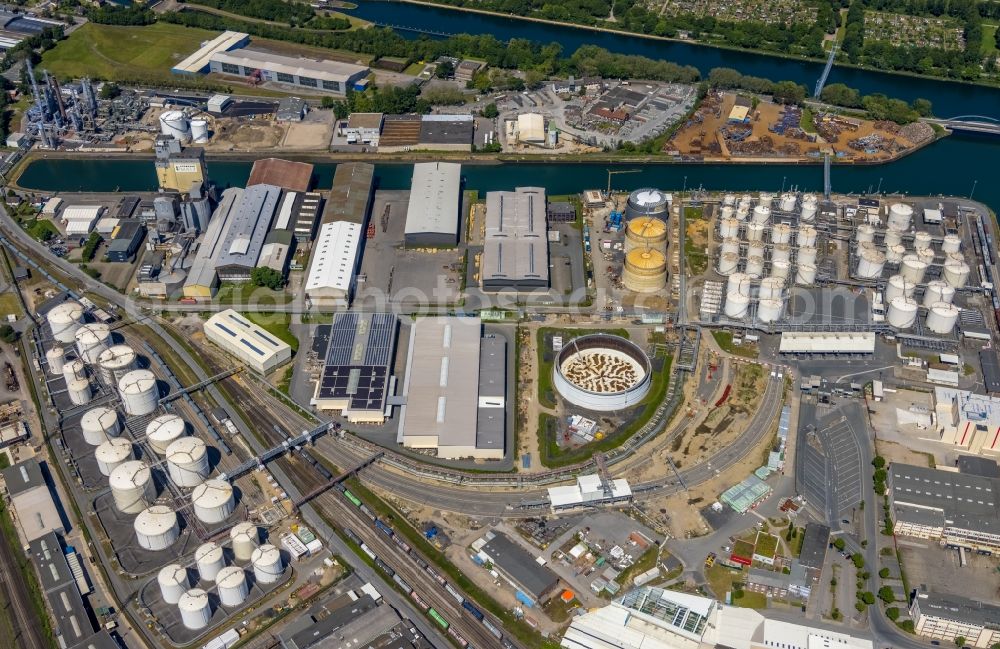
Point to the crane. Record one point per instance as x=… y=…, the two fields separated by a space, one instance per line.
x=612 y=172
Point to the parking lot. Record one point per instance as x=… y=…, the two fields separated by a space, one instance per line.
x=829 y=465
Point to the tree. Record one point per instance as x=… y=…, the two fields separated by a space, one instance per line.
x=839 y=543
x=7 y=333
x=886 y=595
x=490 y=111
x=922 y=106
x=878 y=462
x=268 y=277
x=892 y=613
x=867 y=598
x=884 y=573
x=327 y=102
x=110 y=91
x=859 y=561
x=444 y=70
x=960 y=641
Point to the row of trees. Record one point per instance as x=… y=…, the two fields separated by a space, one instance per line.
x=292 y=13
x=878 y=106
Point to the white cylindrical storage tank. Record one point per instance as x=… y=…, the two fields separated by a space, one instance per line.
x=245 y=539
x=805 y=274
x=913 y=268
x=780 y=269
x=898 y=286
x=173 y=581
x=74 y=370
x=91 y=340
x=926 y=255
x=132 y=486
x=902 y=313
x=922 y=240
x=727 y=212
x=79 y=392
x=156 y=528
x=739 y=283
x=232 y=586
x=942 y=318
x=187 y=461
x=781 y=252
x=938 y=291
x=870 y=264
x=951 y=243
x=769 y=310
x=781 y=233
x=64 y=319
x=196 y=610
x=892 y=238
x=766 y=199
x=808 y=212
x=199 y=131
x=213 y=501
x=55 y=358
x=736 y=305
x=864 y=233
x=806 y=237
x=787 y=202
x=728 y=263
x=176 y=124
x=771 y=288
x=755 y=266
x=744 y=202
x=139 y=392
x=956 y=273
x=646 y=202
x=761 y=214
x=267 y=565
x=953 y=256
x=894 y=254
x=756 y=248
x=806 y=255
x=164 y=431
x=99 y=425
x=729 y=228
x=742 y=212
x=900 y=215
x=729 y=200
x=210 y=559
x=755 y=231
x=112 y=454
x=645 y=271
x=115 y=362
x=729 y=246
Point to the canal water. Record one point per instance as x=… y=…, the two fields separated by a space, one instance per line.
x=950 y=99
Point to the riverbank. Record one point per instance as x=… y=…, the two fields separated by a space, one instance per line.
x=686 y=41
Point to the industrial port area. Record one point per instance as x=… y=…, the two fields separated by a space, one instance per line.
x=302 y=416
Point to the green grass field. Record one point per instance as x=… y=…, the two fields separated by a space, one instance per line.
x=116 y=52
x=989 y=44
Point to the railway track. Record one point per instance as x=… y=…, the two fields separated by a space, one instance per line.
x=27 y=628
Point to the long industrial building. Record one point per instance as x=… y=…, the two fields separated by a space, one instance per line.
x=246 y=229
x=357 y=367
x=444 y=415
x=352 y=193
x=198 y=62
x=515 y=252
x=432 y=214
x=961 y=509
x=947 y=617
x=257 y=348
x=333 y=268
x=332 y=77
x=202 y=280
x=33 y=501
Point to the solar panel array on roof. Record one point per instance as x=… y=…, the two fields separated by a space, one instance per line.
x=357 y=360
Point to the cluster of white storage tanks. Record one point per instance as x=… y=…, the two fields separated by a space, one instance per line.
x=164 y=430
x=900 y=294
x=99 y=425
x=139 y=393
x=64 y=320
x=213 y=501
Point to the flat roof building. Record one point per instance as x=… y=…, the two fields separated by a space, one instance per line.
x=246 y=228
x=960 y=509
x=443 y=414
x=968 y=420
x=531 y=128
x=363 y=128
x=287 y=174
x=491 y=417
x=126 y=241
x=335 y=259
x=49 y=559
x=815 y=541
x=357 y=365
x=589 y=490
x=947 y=617
x=351 y=196
x=516 y=249
x=332 y=77
x=33 y=500
x=432 y=214
x=828 y=343
x=279 y=245
x=198 y=62
x=519 y=568
x=447 y=132
x=250 y=343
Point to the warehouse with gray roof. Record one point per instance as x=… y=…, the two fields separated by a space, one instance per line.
x=245 y=231
x=515 y=251
x=32 y=499
x=432 y=213
x=519 y=568
x=202 y=280
x=333 y=77
x=351 y=196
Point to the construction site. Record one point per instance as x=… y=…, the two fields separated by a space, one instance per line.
x=728 y=127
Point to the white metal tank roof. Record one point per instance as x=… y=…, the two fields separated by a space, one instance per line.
x=212 y=493
x=164 y=430
x=155 y=520
x=98 y=424
x=130 y=474
x=117 y=357
x=92 y=334
x=195 y=599
x=647 y=197
x=114 y=451
x=137 y=381
x=210 y=552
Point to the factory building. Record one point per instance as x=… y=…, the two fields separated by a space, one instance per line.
x=198 y=62
x=196 y=210
x=657 y=617
x=947 y=617
x=401 y=133
x=531 y=128
x=444 y=415
x=491 y=416
x=332 y=77
x=515 y=252
x=959 y=509
x=286 y=174
x=305 y=216
x=33 y=501
x=357 y=365
x=535 y=584
x=826 y=343
x=967 y=420
x=363 y=128
x=248 y=342
x=279 y=245
x=246 y=228
x=178 y=169
x=202 y=280
x=352 y=193
x=126 y=241
x=333 y=267
x=432 y=214
x=80 y=219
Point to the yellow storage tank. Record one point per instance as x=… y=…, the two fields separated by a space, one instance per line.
x=645 y=270
x=646 y=232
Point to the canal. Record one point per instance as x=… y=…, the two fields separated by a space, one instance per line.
x=949 y=99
